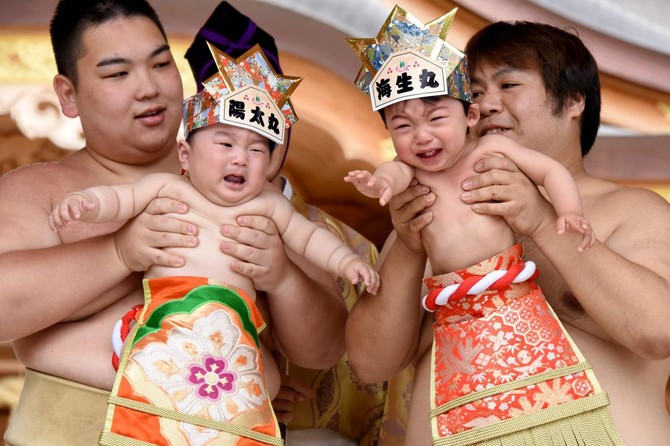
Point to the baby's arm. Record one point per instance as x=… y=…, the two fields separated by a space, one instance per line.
x=556 y=180
x=320 y=246
x=390 y=178
x=102 y=204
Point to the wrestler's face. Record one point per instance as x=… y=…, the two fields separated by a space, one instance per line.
x=128 y=92
x=515 y=103
x=429 y=135
x=226 y=164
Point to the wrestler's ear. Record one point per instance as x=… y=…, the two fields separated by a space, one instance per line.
x=574 y=106
x=473 y=115
x=184 y=153
x=66 y=93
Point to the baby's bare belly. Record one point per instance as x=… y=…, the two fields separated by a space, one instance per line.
x=457 y=244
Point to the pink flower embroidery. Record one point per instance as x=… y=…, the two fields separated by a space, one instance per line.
x=211 y=377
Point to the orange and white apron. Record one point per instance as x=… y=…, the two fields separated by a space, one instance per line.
x=191 y=370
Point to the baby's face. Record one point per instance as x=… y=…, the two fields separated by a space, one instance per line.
x=227 y=164
x=429 y=134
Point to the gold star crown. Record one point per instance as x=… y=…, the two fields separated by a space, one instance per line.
x=409 y=60
x=246 y=92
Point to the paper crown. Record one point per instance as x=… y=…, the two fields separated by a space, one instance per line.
x=245 y=92
x=410 y=60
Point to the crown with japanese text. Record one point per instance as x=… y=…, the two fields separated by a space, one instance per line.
x=245 y=92
x=410 y=60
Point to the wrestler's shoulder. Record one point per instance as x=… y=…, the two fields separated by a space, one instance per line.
x=39 y=174
x=633 y=202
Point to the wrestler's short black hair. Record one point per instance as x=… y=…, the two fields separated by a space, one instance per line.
x=567 y=67
x=73 y=17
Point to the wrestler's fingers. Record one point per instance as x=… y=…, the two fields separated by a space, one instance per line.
x=490 y=208
x=247 y=240
x=491 y=193
x=163 y=223
x=409 y=210
x=299 y=390
x=283 y=404
x=162 y=258
x=259 y=223
x=283 y=416
x=421 y=221
x=239 y=251
x=164 y=205
x=248 y=269
x=173 y=240
x=495 y=162
x=409 y=195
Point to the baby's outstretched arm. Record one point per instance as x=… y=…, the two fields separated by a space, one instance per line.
x=317 y=244
x=75 y=206
x=105 y=203
x=577 y=224
x=557 y=180
x=370 y=185
x=391 y=178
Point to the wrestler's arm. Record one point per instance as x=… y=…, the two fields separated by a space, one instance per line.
x=623 y=282
x=383 y=330
x=39 y=287
x=46 y=281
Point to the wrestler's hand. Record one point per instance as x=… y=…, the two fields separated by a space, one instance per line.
x=75 y=206
x=410 y=213
x=139 y=242
x=578 y=225
x=500 y=188
x=258 y=248
x=290 y=392
x=370 y=185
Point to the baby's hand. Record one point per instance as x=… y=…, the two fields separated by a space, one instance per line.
x=580 y=225
x=370 y=185
x=357 y=270
x=72 y=208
